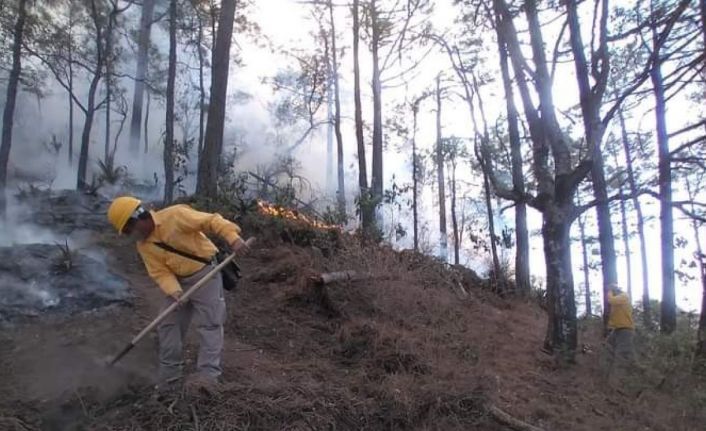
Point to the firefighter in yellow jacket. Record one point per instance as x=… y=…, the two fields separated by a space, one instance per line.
x=182 y=228
x=621 y=352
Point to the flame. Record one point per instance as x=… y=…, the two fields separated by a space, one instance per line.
x=271 y=210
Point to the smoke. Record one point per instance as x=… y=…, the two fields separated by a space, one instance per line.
x=16 y=229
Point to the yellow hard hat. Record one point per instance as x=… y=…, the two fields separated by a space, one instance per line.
x=120 y=211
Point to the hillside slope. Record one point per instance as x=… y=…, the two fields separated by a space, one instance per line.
x=411 y=346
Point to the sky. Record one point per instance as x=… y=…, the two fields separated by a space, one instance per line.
x=287 y=24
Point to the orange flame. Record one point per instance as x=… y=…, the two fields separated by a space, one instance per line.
x=271 y=210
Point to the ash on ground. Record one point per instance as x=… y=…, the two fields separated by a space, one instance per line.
x=65 y=211
x=36 y=279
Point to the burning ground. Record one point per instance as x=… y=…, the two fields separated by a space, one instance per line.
x=402 y=342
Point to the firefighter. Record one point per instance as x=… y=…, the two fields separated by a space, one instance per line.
x=620 y=349
x=184 y=229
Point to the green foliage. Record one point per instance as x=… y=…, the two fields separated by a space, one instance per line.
x=334 y=216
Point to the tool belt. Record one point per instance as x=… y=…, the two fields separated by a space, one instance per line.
x=230 y=273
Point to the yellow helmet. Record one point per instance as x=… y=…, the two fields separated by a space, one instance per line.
x=120 y=211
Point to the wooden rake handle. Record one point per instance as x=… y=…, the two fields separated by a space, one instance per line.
x=182 y=299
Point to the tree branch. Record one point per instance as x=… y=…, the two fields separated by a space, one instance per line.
x=555 y=55
x=580 y=209
x=687 y=145
x=654 y=55
x=686 y=129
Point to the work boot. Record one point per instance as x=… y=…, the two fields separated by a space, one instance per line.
x=169 y=389
x=202 y=384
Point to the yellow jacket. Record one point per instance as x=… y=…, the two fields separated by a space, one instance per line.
x=620 y=311
x=183 y=228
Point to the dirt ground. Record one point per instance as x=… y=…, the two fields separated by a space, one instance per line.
x=398 y=351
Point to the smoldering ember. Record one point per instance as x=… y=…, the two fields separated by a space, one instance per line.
x=352 y=215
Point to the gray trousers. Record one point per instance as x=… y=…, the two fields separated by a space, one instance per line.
x=620 y=351
x=208 y=307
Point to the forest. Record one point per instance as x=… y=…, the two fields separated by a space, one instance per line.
x=555 y=146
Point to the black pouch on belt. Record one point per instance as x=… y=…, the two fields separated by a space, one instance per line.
x=230 y=273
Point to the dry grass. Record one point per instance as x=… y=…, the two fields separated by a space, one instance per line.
x=405 y=349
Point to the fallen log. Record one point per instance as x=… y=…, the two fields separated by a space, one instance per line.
x=510 y=421
x=332 y=277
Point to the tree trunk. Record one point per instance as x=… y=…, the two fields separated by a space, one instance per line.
x=556 y=183
x=586 y=277
x=522 y=272
x=626 y=241
x=143 y=46
x=443 y=238
x=591 y=99
x=106 y=144
x=81 y=183
x=108 y=80
x=668 y=316
x=377 y=179
x=8 y=117
x=329 y=127
x=646 y=306
x=562 y=334
x=207 y=184
x=171 y=78
x=70 y=82
x=366 y=212
x=90 y=111
x=702 y=13
x=491 y=234
x=454 y=218
x=202 y=88
x=329 y=114
x=147 y=122
x=337 y=115
x=71 y=122
x=605 y=229
x=700 y=353
x=415 y=179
